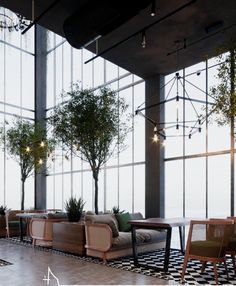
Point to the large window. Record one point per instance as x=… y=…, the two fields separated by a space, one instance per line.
x=197 y=182
x=16 y=98
x=122 y=179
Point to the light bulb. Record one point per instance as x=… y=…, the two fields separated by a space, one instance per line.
x=155 y=138
x=42 y=144
x=27 y=149
x=40 y=161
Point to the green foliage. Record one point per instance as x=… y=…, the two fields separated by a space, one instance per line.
x=224 y=94
x=74 y=208
x=2 y=210
x=116 y=210
x=27 y=144
x=91 y=125
x=23 y=142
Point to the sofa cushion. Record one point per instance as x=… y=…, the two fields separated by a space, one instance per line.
x=105 y=218
x=124 y=240
x=123 y=219
x=150 y=235
x=137 y=215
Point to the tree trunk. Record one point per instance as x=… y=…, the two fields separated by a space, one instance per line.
x=22 y=193
x=95 y=176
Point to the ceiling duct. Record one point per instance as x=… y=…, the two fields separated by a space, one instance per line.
x=98 y=18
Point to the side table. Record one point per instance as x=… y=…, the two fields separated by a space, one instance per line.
x=69 y=237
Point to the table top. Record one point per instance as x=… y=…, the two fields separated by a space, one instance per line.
x=160 y=222
x=30 y=215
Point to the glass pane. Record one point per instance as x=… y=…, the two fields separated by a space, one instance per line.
x=58 y=182
x=27 y=81
x=66 y=187
x=50 y=192
x=77 y=185
x=66 y=69
x=111 y=188
x=13 y=187
x=195 y=188
x=101 y=179
x=219 y=186
x=13 y=71
x=139 y=124
x=111 y=71
x=126 y=155
x=125 y=189
x=88 y=185
x=139 y=189
x=98 y=72
x=174 y=189
x=87 y=70
x=219 y=137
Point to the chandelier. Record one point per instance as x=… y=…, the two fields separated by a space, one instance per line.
x=179 y=127
x=12 y=21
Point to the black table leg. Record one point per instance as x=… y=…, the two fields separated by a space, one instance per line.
x=21 y=228
x=181 y=239
x=167 y=251
x=134 y=245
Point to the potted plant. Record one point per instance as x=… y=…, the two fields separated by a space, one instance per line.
x=116 y=210
x=74 y=209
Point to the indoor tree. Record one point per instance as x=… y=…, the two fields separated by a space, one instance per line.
x=27 y=144
x=91 y=125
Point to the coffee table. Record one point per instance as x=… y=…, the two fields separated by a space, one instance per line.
x=158 y=224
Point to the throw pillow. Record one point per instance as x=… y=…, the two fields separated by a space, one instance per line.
x=123 y=221
x=107 y=219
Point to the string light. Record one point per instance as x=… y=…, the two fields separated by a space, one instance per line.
x=27 y=149
x=42 y=144
x=40 y=161
x=155 y=136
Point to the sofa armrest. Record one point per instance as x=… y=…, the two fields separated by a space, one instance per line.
x=98 y=236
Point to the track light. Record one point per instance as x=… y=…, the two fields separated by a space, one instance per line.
x=143 y=43
x=153 y=8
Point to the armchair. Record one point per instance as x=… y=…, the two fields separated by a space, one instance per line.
x=208 y=241
x=41 y=230
x=13 y=223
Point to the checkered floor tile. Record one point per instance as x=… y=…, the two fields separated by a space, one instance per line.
x=193 y=274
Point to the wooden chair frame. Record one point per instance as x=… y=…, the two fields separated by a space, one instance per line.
x=205 y=259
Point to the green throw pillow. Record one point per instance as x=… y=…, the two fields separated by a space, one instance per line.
x=123 y=221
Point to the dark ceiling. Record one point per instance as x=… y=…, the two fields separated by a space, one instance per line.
x=196 y=28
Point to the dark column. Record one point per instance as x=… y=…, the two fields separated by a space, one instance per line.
x=40 y=105
x=154 y=171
